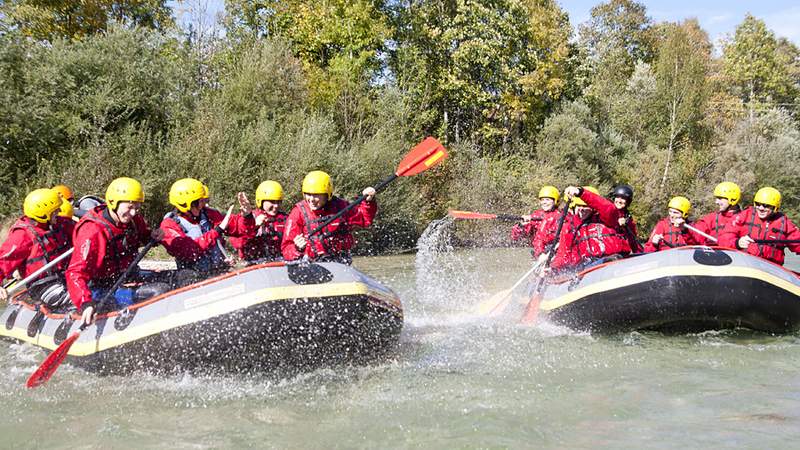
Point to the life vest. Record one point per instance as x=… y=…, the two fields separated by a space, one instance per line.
x=47 y=246
x=332 y=241
x=595 y=240
x=120 y=246
x=675 y=236
x=213 y=258
x=772 y=252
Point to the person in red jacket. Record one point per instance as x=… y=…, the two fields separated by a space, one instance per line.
x=335 y=241
x=193 y=234
x=585 y=239
x=669 y=232
x=35 y=239
x=612 y=213
x=762 y=222
x=106 y=241
x=540 y=225
x=726 y=197
x=264 y=243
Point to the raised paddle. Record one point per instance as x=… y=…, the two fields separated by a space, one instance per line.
x=422 y=157
x=532 y=310
x=22 y=283
x=477 y=215
x=51 y=363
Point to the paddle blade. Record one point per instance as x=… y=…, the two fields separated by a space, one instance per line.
x=532 y=310
x=422 y=157
x=51 y=363
x=470 y=215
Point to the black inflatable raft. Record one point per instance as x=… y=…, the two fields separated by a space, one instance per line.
x=679 y=290
x=266 y=317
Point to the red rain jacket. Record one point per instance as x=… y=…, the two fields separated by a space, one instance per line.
x=580 y=241
x=335 y=239
x=188 y=249
x=103 y=250
x=546 y=232
x=30 y=245
x=610 y=215
x=264 y=241
x=672 y=237
x=713 y=224
x=747 y=223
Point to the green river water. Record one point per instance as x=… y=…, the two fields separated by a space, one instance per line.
x=455 y=381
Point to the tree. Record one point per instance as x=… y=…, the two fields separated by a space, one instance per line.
x=681 y=91
x=618 y=35
x=488 y=70
x=757 y=72
x=52 y=19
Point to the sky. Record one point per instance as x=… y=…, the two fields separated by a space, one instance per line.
x=718 y=17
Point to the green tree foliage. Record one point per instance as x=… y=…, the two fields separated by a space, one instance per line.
x=757 y=72
x=54 y=19
x=484 y=70
x=618 y=35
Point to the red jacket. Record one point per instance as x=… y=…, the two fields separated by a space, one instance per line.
x=189 y=240
x=672 y=237
x=335 y=239
x=747 y=223
x=580 y=241
x=103 y=250
x=610 y=215
x=264 y=241
x=30 y=245
x=546 y=232
x=713 y=223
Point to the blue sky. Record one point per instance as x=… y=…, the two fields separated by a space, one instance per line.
x=717 y=17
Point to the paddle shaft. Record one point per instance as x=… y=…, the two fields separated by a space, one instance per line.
x=531 y=311
x=17 y=287
x=352 y=205
x=776 y=241
x=51 y=363
x=125 y=275
x=701 y=233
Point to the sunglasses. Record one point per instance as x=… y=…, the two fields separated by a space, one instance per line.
x=763 y=205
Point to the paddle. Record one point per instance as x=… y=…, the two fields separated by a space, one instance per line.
x=422 y=157
x=776 y=241
x=532 y=310
x=477 y=215
x=700 y=232
x=494 y=303
x=17 y=287
x=51 y=363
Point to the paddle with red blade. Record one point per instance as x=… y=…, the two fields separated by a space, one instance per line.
x=51 y=363
x=532 y=310
x=422 y=157
x=477 y=215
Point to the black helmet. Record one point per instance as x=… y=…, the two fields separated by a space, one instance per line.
x=622 y=190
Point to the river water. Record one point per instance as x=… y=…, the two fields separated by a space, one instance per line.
x=455 y=381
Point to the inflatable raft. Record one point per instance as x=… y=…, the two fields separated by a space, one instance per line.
x=271 y=316
x=679 y=290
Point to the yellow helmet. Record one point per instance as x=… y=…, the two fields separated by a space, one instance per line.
x=768 y=196
x=682 y=204
x=65 y=192
x=576 y=201
x=728 y=190
x=269 y=190
x=124 y=189
x=318 y=182
x=66 y=209
x=40 y=204
x=185 y=191
x=206 y=193
x=549 y=192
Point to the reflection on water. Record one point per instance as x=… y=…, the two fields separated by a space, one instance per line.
x=455 y=381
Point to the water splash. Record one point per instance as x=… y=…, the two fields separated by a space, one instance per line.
x=444 y=277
